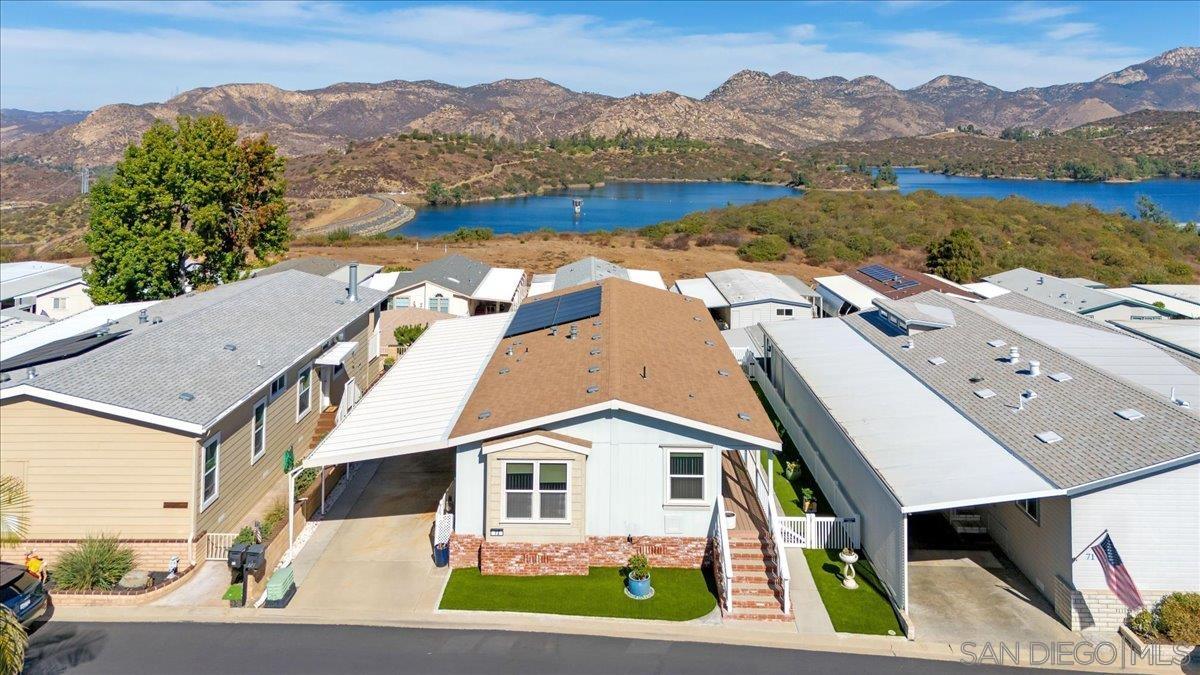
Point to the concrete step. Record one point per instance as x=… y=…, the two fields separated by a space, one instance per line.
x=755 y=602
x=758 y=576
x=743 y=556
x=760 y=587
x=759 y=614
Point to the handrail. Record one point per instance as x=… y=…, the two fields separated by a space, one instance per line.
x=726 y=556
x=764 y=491
x=351 y=395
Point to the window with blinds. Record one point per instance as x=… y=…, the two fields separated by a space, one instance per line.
x=535 y=491
x=685 y=476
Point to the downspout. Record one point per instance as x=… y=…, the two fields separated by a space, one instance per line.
x=194 y=503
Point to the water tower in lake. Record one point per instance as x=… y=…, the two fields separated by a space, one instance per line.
x=577 y=204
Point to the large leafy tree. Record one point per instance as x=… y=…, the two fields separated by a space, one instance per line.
x=957 y=257
x=185 y=206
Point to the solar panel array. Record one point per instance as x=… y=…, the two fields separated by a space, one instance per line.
x=556 y=311
x=60 y=349
x=885 y=275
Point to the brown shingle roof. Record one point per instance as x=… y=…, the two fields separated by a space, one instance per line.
x=666 y=336
x=924 y=283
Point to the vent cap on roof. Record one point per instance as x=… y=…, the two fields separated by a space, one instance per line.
x=745 y=417
x=996 y=343
x=1130 y=414
x=937 y=360
x=1060 y=377
x=1048 y=437
x=984 y=393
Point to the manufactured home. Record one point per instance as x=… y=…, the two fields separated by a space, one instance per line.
x=455 y=285
x=738 y=298
x=50 y=289
x=1084 y=299
x=588 y=270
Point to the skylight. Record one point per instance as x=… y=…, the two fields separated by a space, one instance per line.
x=1060 y=377
x=937 y=360
x=1130 y=414
x=1048 y=437
x=984 y=393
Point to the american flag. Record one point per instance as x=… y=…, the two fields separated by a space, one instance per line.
x=1116 y=575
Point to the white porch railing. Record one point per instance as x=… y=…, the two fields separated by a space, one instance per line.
x=813 y=531
x=444 y=520
x=217 y=545
x=726 y=561
x=351 y=395
x=764 y=490
x=373 y=345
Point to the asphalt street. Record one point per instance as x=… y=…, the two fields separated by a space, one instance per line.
x=296 y=649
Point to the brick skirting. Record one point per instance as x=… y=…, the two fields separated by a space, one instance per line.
x=528 y=559
x=1080 y=610
x=152 y=554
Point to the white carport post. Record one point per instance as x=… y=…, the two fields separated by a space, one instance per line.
x=292 y=508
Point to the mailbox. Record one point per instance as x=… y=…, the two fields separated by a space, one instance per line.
x=237 y=556
x=256 y=557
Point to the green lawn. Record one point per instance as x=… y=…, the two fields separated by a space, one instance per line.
x=234 y=592
x=679 y=594
x=788 y=491
x=862 y=610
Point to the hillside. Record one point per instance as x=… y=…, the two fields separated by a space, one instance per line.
x=784 y=110
x=845 y=229
x=1128 y=147
x=16 y=124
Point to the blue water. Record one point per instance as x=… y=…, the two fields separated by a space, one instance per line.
x=1178 y=197
x=616 y=205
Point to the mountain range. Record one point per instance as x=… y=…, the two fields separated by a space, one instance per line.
x=782 y=111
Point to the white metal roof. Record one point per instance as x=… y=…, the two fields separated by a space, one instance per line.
x=1126 y=357
x=381 y=281
x=848 y=290
x=33 y=276
x=336 y=355
x=500 y=284
x=414 y=406
x=744 y=287
x=1181 y=334
x=70 y=326
x=647 y=278
x=1189 y=309
x=929 y=455
x=702 y=289
x=986 y=289
x=1188 y=292
x=365 y=272
x=744 y=342
x=541 y=284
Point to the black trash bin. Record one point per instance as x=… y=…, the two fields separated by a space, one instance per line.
x=441 y=555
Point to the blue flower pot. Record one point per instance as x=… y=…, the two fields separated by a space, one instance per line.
x=639 y=587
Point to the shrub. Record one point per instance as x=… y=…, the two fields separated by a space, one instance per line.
x=764 y=248
x=464 y=234
x=389 y=362
x=305 y=479
x=245 y=536
x=675 y=242
x=1179 y=617
x=338 y=235
x=406 y=335
x=273 y=518
x=97 y=562
x=1142 y=623
x=639 y=567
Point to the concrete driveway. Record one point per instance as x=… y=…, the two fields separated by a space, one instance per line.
x=959 y=596
x=373 y=551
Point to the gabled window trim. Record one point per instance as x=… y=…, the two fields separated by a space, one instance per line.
x=535 y=492
x=263 y=403
x=214 y=439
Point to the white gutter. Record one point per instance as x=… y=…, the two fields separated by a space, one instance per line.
x=106 y=408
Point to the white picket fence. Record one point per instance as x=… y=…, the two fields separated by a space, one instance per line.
x=813 y=531
x=444 y=519
x=217 y=545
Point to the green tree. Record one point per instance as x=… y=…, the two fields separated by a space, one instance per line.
x=957 y=257
x=886 y=175
x=1151 y=212
x=406 y=335
x=185 y=206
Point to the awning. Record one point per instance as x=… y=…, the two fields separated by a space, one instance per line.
x=414 y=406
x=337 y=354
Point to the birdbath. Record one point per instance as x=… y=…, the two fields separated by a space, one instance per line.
x=848 y=557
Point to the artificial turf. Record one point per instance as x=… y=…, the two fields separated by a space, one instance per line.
x=863 y=610
x=679 y=594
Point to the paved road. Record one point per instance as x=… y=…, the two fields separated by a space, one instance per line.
x=129 y=648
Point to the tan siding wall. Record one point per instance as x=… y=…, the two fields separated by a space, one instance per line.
x=88 y=474
x=1041 y=550
x=537 y=532
x=243 y=484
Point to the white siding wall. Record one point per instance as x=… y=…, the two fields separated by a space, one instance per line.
x=1041 y=550
x=765 y=312
x=470 y=480
x=459 y=306
x=1121 y=313
x=75 y=296
x=1155 y=524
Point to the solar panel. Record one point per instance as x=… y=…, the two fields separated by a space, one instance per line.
x=60 y=349
x=888 y=277
x=907 y=283
x=541 y=314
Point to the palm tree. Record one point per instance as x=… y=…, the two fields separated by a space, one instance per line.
x=14 y=525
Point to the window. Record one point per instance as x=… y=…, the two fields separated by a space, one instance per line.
x=1032 y=508
x=278 y=386
x=60 y=303
x=685 y=476
x=535 y=491
x=783 y=312
x=258 y=431
x=303 y=391
x=439 y=304
x=401 y=302
x=210 y=483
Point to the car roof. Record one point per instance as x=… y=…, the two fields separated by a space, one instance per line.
x=10 y=572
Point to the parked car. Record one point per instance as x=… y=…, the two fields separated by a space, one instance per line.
x=23 y=593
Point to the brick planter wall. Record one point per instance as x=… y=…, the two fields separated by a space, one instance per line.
x=520 y=559
x=528 y=559
x=152 y=554
x=687 y=552
x=464 y=550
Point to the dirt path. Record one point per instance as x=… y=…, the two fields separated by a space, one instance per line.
x=490 y=174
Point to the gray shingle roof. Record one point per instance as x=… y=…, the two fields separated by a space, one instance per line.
x=586 y=270
x=274 y=321
x=1096 y=443
x=318 y=265
x=1061 y=293
x=455 y=272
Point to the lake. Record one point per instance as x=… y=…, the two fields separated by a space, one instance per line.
x=615 y=205
x=634 y=204
x=1178 y=197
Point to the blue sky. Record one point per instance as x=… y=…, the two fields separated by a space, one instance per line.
x=57 y=55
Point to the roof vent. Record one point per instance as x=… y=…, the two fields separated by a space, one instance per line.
x=984 y=393
x=1060 y=377
x=695 y=318
x=593 y=389
x=594 y=369
x=1048 y=437
x=1130 y=414
x=1034 y=369
x=484 y=415
x=996 y=343
x=32 y=373
x=745 y=417
x=143 y=316
x=596 y=336
x=937 y=360
x=908 y=344
x=723 y=373
x=186 y=396
x=1041 y=280
x=597 y=323
x=1182 y=403
x=509 y=351
x=157 y=319
x=574 y=332
x=1014 y=354
x=1027 y=395
x=504 y=371
x=975 y=379
x=595 y=351
x=230 y=347
x=554 y=330
x=710 y=343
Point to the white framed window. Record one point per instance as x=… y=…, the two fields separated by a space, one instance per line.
x=685 y=475
x=60 y=303
x=278 y=386
x=304 y=391
x=210 y=480
x=536 y=491
x=258 y=431
x=783 y=311
x=1032 y=508
x=401 y=302
x=439 y=303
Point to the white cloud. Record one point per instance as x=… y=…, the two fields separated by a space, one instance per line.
x=1071 y=29
x=45 y=68
x=1036 y=12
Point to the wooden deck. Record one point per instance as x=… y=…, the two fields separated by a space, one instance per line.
x=738 y=491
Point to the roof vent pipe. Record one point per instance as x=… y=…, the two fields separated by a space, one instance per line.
x=1182 y=403
x=1014 y=354
x=143 y=316
x=1035 y=368
x=352 y=291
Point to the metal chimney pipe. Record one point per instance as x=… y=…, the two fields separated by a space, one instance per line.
x=352 y=291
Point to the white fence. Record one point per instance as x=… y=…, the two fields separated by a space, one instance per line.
x=726 y=562
x=373 y=345
x=351 y=395
x=444 y=520
x=812 y=531
x=218 y=543
x=764 y=490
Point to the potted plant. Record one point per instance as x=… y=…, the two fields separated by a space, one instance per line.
x=639 y=576
x=808 y=500
x=791 y=470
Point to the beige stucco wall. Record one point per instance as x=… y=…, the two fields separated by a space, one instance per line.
x=91 y=474
x=541 y=533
